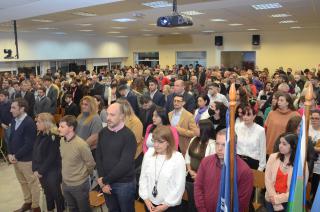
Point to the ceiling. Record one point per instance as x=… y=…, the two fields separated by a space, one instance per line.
x=305 y=13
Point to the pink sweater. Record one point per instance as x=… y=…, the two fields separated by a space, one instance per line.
x=174 y=133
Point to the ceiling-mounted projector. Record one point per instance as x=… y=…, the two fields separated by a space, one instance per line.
x=174 y=20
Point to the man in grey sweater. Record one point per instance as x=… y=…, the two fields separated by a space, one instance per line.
x=77 y=165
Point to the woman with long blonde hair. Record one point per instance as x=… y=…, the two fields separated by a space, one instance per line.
x=46 y=161
x=89 y=122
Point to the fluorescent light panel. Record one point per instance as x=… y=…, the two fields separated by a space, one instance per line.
x=208 y=31
x=46 y=28
x=287 y=22
x=83 y=25
x=296 y=27
x=218 y=20
x=281 y=15
x=42 y=20
x=59 y=33
x=192 y=12
x=235 y=24
x=252 y=29
x=85 y=30
x=113 y=32
x=123 y=20
x=266 y=6
x=119 y=27
x=80 y=13
x=158 y=4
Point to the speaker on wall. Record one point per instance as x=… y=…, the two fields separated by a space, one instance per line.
x=218 y=40
x=256 y=40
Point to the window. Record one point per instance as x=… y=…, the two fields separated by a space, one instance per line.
x=192 y=57
x=150 y=59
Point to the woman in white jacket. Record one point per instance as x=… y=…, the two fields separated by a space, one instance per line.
x=162 y=179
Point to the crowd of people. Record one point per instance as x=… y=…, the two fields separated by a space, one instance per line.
x=154 y=134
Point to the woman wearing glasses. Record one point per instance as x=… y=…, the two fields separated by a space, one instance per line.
x=162 y=179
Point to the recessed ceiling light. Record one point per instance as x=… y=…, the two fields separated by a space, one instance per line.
x=192 y=12
x=235 y=24
x=42 y=20
x=175 y=33
x=85 y=30
x=119 y=27
x=266 y=6
x=208 y=31
x=252 y=29
x=83 y=25
x=281 y=15
x=84 y=14
x=184 y=27
x=46 y=28
x=121 y=36
x=153 y=24
x=287 y=22
x=123 y=20
x=113 y=32
x=60 y=33
x=146 y=30
x=158 y=4
x=296 y=27
x=218 y=20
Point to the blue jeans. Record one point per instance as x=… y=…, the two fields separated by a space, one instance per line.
x=122 y=197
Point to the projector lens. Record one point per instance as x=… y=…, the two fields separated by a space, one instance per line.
x=164 y=21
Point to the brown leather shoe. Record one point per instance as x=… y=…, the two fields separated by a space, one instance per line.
x=24 y=207
x=38 y=209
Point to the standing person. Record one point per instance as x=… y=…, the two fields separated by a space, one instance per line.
x=251 y=140
x=215 y=95
x=77 y=165
x=22 y=137
x=70 y=108
x=89 y=122
x=43 y=102
x=115 y=161
x=207 y=183
x=156 y=96
x=159 y=118
x=162 y=179
x=184 y=122
x=283 y=111
x=52 y=92
x=146 y=111
x=5 y=115
x=28 y=96
x=279 y=172
x=46 y=161
x=201 y=113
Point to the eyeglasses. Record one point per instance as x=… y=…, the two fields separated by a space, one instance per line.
x=158 y=141
x=177 y=100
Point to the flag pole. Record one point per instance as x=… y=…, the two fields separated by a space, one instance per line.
x=233 y=102
x=307 y=108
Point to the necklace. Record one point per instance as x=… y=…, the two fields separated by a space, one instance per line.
x=155 y=190
x=285 y=167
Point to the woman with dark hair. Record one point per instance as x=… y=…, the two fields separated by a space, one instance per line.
x=217 y=112
x=242 y=96
x=251 y=140
x=159 y=118
x=200 y=147
x=264 y=94
x=201 y=113
x=279 y=172
x=162 y=180
x=100 y=103
x=278 y=118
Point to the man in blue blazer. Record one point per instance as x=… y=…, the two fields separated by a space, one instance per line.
x=156 y=96
x=179 y=89
x=125 y=92
x=22 y=137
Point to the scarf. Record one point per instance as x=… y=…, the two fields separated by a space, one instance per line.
x=200 y=112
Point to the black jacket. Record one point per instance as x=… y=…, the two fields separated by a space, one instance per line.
x=71 y=109
x=46 y=154
x=190 y=104
x=159 y=99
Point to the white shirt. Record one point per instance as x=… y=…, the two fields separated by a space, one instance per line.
x=204 y=115
x=19 y=121
x=171 y=180
x=251 y=142
x=149 y=141
x=210 y=150
x=219 y=98
x=315 y=136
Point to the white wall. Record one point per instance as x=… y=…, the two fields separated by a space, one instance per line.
x=35 y=47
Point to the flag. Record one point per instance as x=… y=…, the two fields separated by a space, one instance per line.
x=223 y=203
x=316 y=201
x=297 y=195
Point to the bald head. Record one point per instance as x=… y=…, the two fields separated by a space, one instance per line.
x=115 y=115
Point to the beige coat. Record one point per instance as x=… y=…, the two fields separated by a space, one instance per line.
x=186 y=128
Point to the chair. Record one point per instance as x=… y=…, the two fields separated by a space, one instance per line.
x=96 y=200
x=258 y=183
x=1 y=145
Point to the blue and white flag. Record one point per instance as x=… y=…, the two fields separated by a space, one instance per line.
x=223 y=203
x=316 y=202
